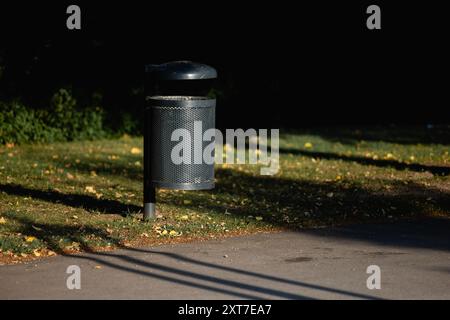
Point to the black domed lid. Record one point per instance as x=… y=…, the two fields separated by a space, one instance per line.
x=181 y=70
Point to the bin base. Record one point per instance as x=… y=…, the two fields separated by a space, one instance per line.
x=149 y=211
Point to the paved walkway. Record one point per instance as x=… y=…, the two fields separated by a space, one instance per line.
x=414 y=258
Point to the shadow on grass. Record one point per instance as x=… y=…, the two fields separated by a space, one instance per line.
x=51 y=234
x=287 y=203
x=86 y=202
x=403 y=134
x=283 y=202
x=436 y=170
x=123 y=167
x=302 y=203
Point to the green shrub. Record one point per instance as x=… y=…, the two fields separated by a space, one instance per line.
x=19 y=124
x=62 y=121
x=74 y=124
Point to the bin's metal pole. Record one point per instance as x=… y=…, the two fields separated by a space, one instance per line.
x=149 y=190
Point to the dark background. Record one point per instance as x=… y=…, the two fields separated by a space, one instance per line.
x=283 y=64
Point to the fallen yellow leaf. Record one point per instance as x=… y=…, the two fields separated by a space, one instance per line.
x=90 y=189
x=259 y=218
x=30 y=239
x=308 y=145
x=2 y=220
x=173 y=233
x=135 y=150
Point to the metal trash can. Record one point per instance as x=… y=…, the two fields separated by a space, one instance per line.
x=175 y=108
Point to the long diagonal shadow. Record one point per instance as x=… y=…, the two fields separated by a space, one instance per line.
x=73 y=200
x=398 y=134
x=198 y=276
x=170 y=279
x=435 y=170
x=255 y=274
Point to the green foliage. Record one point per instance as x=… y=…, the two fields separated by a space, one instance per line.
x=62 y=121
x=19 y=124
x=74 y=124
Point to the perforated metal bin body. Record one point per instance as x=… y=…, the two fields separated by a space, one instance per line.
x=168 y=113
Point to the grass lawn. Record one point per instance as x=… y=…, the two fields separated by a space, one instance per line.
x=84 y=196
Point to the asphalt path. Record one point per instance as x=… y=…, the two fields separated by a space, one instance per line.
x=331 y=263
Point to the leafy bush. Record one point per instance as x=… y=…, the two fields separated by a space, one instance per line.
x=19 y=124
x=62 y=121
x=74 y=124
